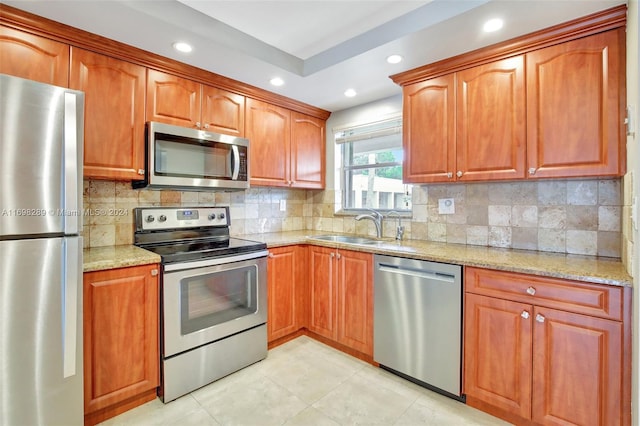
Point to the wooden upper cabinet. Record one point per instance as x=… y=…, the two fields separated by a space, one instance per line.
x=33 y=57
x=114 y=114
x=268 y=128
x=575 y=102
x=429 y=131
x=222 y=111
x=173 y=100
x=307 y=151
x=490 y=116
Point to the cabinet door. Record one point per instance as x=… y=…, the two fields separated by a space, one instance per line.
x=577 y=369
x=497 y=353
x=429 y=132
x=282 y=292
x=307 y=151
x=268 y=129
x=490 y=116
x=222 y=111
x=574 y=107
x=121 y=351
x=355 y=300
x=34 y=58
x=173 y=100
x=322 y=292
x=114 y=114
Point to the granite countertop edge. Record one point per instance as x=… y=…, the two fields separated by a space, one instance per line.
x=590 y=269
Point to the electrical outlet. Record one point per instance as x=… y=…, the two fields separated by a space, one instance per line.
x=446 y=206
x=283 y=205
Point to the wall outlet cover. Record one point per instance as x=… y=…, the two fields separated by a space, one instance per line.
x=446 y=206
x=283 y=205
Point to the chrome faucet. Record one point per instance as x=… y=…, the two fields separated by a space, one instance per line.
x=376 y=217
x=399 y=228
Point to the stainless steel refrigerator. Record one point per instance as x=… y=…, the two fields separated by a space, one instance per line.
x=41 y=136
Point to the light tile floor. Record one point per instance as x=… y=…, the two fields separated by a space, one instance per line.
x=304 y=382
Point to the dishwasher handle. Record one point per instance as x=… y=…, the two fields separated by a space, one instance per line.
x=437 y=276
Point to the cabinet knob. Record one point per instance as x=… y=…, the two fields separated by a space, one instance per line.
x=531 y=291
x=332 y=255
x=141 y=172
x=449 y=175
x=198 y=124
x=540 y=318
x=154 y=272
x=206 y=126
x=338 y=256
x=459 y=173
x=271 y=255
x=532 y=171
x=525 y=315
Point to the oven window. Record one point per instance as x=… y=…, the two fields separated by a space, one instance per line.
x=182 y=158
x=212 y=299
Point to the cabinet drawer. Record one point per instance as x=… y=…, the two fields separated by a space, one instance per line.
x=589 y=299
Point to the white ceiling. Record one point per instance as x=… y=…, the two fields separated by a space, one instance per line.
x=319 y=47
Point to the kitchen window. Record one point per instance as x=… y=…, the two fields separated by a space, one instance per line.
x=371 y=166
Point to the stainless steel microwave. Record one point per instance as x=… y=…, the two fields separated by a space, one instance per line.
x=192 y=159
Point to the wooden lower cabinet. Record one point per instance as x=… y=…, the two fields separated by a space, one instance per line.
x=341 y=297
x=121 y=349
x=531 y=364
x=287 y=292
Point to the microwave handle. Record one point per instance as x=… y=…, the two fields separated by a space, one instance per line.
x=236 y=162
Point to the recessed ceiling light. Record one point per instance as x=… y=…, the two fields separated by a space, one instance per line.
x=350 y=93
x=492 y=25
x=182 y=47
x=276 y=81
x=394 y=59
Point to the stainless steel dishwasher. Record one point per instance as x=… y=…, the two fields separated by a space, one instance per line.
x=418 y=321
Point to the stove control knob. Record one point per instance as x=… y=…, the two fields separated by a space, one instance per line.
x=212 y=216
x=150 y=219
x=221 y=216
x=162 y=218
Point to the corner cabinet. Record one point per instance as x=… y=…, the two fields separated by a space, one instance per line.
x=576 y=107
x=287 y=147
x=550 y=104
x=545 y=350
x=341 y=297
x=286 y=291
x=121 y=349
x=33 y=57
x=114 y=115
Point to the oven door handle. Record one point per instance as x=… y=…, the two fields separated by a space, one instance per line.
x=181 y=266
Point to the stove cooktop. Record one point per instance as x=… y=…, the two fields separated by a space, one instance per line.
x=185 y=251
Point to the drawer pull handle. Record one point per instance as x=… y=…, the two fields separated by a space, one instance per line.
x=540 y=318
x=531 y=291
x=525 y=315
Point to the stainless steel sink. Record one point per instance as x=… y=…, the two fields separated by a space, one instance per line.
x=346 y=239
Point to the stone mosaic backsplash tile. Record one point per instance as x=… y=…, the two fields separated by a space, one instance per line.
x=579 y=217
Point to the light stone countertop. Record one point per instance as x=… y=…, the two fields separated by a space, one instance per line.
x=112 y=257
x=591 y=269
x=599 y=270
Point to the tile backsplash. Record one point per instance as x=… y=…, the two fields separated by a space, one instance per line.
x=566 y=216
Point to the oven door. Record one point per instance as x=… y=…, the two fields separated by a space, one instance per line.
x=212 y=299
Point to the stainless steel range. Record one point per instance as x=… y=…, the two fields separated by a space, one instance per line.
x=214 y=295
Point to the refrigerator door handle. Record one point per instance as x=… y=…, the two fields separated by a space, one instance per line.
x=71 y=276
x=71 y=165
